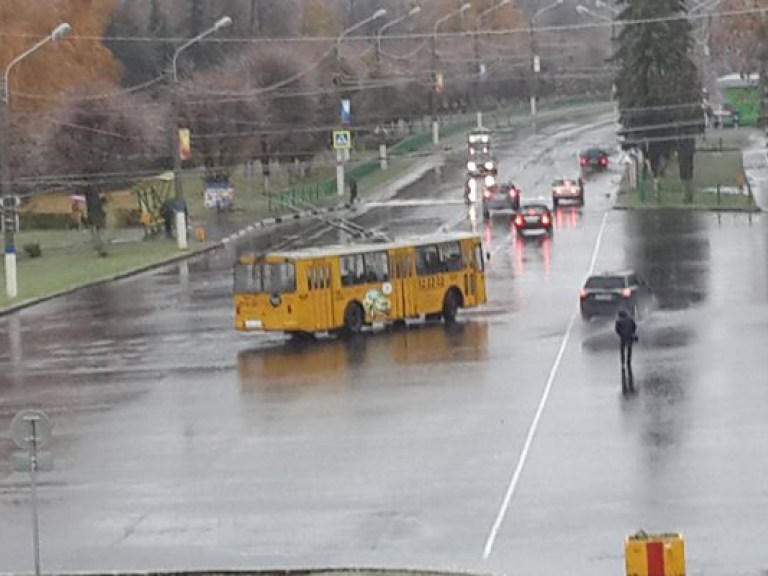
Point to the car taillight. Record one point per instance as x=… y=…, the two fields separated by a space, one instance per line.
x=519 y=220
x=513 y=192
x=626 y=293
x=583 y=161
x=545 y=219
x=487 y=193
x=603 y=161
x=583 y=293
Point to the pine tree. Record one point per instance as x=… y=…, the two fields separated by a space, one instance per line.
x=659 y=92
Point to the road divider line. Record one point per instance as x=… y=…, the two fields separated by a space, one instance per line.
x=499 y=520
x=598 y=242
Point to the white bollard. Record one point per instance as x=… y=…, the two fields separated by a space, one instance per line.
x=383 y=163
x=435 y=132
x=181 y=230
x=479 y=118
x=11 y=287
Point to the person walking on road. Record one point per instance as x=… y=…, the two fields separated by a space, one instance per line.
x=626 y=329
x=352 y=190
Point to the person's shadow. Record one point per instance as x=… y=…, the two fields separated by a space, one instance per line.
x=627 y=381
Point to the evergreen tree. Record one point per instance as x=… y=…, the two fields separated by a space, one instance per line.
x=659 y=92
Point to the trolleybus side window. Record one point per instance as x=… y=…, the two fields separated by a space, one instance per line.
x=450 y=256
x=376 y=267
x=278 y=278
x=352 y=269
x=427 y=260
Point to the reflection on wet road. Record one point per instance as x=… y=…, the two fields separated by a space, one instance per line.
x=181 y=443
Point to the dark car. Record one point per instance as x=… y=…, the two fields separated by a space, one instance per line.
x=568 y=189
x=593 y=160
x=533 y=218
x=605 y=294
x=500 y=197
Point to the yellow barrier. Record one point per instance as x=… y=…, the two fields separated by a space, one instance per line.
x=655 y=554
x=200 y=234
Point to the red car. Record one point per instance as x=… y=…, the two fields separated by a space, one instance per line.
x=533 y=218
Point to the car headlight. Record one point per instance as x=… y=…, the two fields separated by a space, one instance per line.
x=484 y=139
x=489 y=166
x=471 y=151
x=489 y=180
x=471 y=166
x=472 y=139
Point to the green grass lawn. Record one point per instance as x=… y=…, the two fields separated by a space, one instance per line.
x=67 y=263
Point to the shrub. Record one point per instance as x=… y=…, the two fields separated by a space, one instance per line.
x=33 y=249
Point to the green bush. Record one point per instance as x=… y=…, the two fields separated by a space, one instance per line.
x=29 y=220
x=33 y=249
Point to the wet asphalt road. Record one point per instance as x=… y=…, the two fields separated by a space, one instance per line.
x=182 y=444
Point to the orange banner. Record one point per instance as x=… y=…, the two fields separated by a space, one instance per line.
x=185 y=149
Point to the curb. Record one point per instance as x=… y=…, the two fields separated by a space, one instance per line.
x=275 y=220
x=113 y=278
x=755 y=210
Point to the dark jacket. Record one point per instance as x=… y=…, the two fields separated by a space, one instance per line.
x=626 y=329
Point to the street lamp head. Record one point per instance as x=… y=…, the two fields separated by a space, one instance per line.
x=415 y=10
x=464 y=7
x=222 y=23
x=503 y=3
x=581 y=9
x=380 y=13
x=60 y=31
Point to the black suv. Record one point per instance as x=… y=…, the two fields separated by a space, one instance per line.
x=606 y=294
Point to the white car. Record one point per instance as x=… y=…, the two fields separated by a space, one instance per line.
x=567 y=189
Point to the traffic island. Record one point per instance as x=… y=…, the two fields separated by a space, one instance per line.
x=719 y=184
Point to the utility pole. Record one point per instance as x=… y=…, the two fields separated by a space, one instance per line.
x=6 y=191
x=433 y=94
x=436 y=80
x=535 y=60
x=9 y=202
x=181 y=216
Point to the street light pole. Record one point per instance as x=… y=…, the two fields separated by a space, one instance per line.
x=412 y=12
x=476 y=83
x=432 y=96
x=340 y=175
x=581 y=9
x=181 y=216
x=9 y=201
x=535 y=63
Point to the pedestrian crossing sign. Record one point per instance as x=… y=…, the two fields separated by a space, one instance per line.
x=342 y=140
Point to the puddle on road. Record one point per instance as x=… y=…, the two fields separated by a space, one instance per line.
x=311 y=363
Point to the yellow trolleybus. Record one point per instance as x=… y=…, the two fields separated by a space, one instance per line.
x=344 y=288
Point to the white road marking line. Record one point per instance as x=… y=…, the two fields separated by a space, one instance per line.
x=597 y=244
x=537 y=416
